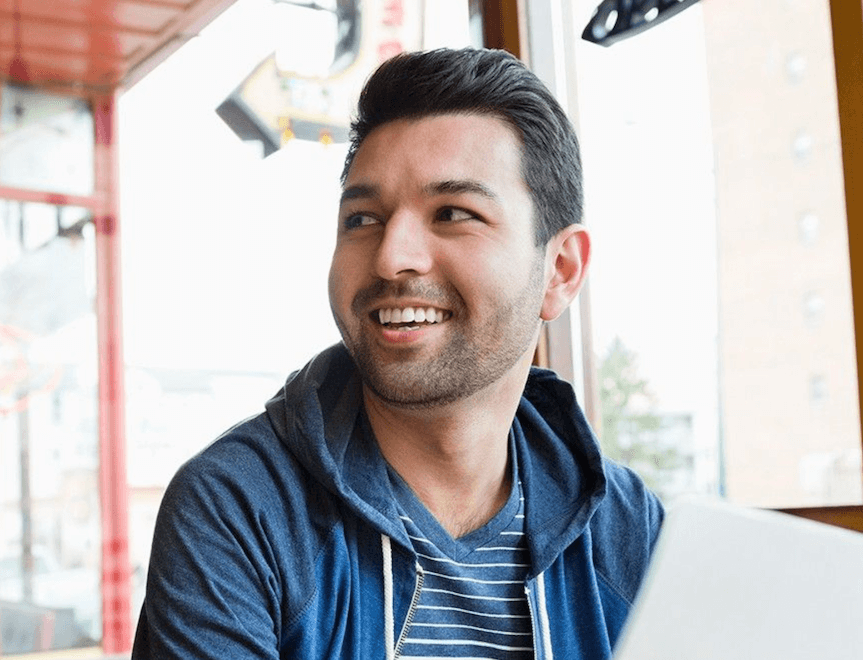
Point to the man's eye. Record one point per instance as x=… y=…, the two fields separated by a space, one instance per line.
x=359 y=220
x=455 y=215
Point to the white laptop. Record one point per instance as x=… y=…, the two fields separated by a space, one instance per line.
x=727 y=583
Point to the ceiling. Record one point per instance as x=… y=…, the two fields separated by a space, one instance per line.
x=84 y=46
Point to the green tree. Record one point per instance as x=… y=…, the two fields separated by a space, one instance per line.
x=631 y=428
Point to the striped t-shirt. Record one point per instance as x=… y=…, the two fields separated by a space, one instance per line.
x=472 y=602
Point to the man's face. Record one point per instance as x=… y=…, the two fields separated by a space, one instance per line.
x=436 y=284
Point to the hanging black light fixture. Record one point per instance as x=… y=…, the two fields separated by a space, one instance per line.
x=615 y=20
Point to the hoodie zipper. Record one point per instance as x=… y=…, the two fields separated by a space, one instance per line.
x=415 y=599
x=532 y=622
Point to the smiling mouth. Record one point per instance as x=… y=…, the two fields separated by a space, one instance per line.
x=410 y=318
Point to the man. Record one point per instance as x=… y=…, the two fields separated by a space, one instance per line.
x=419 y=490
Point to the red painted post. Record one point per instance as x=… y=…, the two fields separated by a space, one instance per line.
x=116 y=573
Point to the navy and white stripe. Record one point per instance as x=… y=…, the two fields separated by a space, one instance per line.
x=472 y=603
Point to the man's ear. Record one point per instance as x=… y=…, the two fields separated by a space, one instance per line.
x=567 y=256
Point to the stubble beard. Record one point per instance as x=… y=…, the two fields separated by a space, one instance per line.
x=472 y=359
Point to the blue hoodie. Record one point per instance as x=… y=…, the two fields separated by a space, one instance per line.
x=282 y=540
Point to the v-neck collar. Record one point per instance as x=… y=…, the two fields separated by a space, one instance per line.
x=428 y=525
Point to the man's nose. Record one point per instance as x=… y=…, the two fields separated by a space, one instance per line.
x=404 y=249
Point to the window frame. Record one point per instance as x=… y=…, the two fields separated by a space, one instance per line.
x=847 y=24
x=115 y=581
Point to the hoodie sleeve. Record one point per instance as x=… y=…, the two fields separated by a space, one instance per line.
x=212 y=590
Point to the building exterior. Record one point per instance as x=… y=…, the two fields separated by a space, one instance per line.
x=788 y=372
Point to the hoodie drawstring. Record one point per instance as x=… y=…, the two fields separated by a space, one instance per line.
x=389 y=626
x=542 y=613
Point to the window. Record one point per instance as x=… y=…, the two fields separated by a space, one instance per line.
x=47 y=141
x=808 y=227
x=50 y=522
x=701 y=137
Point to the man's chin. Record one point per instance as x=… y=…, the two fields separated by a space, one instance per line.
x=411 y=400
x=412 y=379
x=403 y=392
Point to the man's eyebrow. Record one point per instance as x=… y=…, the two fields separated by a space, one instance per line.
x=359 y=192
x=458 y=187
x=448 y=187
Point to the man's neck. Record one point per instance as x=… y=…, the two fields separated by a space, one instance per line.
x=454 y=457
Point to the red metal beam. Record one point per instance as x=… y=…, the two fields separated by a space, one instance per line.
x=91 y=25
x=48 y=197
x=116 y=573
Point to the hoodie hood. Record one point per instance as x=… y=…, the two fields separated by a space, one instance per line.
x=561 y=465
x=318 y=416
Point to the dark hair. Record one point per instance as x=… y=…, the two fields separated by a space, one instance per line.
x=481 y=81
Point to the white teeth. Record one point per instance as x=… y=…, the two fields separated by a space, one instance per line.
x=410 y=315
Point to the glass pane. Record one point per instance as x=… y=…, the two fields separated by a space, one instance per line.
x=46 y=141
x=720 y=285
x=49 y=492
x=787 y=353
x=230 y=189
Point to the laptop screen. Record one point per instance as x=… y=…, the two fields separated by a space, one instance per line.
x=727 y=583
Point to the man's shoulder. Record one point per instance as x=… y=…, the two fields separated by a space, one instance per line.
x=624 y=529
x=626 y=487
x=237 y=454
x=244 y=522
x=246 y=473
